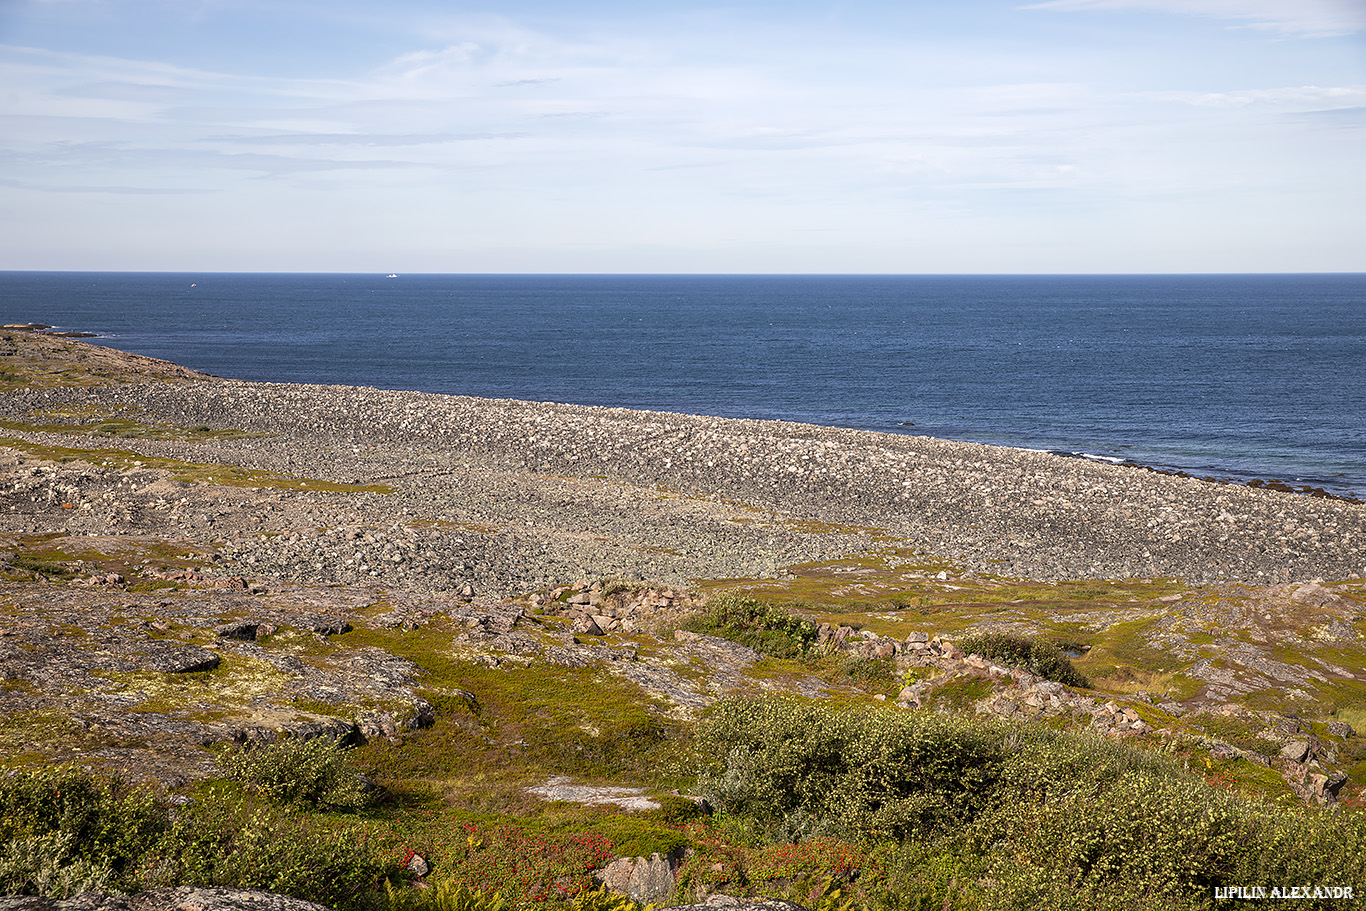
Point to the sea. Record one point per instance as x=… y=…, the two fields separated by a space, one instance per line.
x=1238 y=377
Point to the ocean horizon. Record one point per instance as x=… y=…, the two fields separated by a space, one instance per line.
x=1233 y=377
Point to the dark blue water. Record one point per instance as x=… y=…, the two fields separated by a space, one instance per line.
x=1252 y=376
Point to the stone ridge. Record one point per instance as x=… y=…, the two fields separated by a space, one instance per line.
x=1014 y=512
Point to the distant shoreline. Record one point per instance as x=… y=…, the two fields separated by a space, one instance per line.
x=994 y=509
x=1244 y=379
x=1225 y=476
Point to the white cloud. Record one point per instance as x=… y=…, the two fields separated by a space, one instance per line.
x=694 y=148
x=1305 y=98
x=1314 y=18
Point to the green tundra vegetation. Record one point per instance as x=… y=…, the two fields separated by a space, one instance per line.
x=834 y=804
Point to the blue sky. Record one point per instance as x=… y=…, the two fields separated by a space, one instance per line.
x=799 y=136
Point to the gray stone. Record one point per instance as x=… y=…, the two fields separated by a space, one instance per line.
x=726 y=901
x=325 y=626
x=184 y=898
x=244 y=630
x=1296 y=751
x=593 y=795
x=1315 y=594
x=1340 y=729
x=643 y=880
x=184 y=659
x=418 y=865
x=585 y=626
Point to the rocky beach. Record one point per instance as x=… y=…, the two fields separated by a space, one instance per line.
x=562 y=490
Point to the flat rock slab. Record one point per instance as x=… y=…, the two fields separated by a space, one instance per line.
x=180 y=659
x=184 y=898
x=593 y=795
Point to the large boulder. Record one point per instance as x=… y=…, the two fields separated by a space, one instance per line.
x=646 y=880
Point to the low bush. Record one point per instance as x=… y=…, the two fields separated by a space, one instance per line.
x=300 y=772
x=524 y=866
x=843 y=772
x=216 y=841
x=994 y=816
x=764 y=627
x=1034 y=655
x=47 y=865
x=867 y=670
x=604 y=899
x=63 y=828
x=64 y=831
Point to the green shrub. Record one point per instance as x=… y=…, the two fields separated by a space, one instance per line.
x=218 y=842
x=617 y=586
x=61 y=826
x=997 y=816
x=47 y=865
x=844 y=772
x=300 y=772
x=1142 y=837
x=1038 y=657
x=918 y=876
x=763 y=627
x=867 y=670
x=64 y=831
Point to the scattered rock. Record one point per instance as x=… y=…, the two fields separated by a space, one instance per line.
x=184 y=898
x=181 y=660
x=1296 y=751
x=734 y=904
x=325 y=626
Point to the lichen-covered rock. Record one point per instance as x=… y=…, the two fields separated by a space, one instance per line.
x=180 y=660
x=184 y=898
x=645 y=880
x=730 y=903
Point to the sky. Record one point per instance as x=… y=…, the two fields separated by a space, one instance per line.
x=854 y=136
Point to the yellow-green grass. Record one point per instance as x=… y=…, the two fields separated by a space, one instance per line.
x=188 y=472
